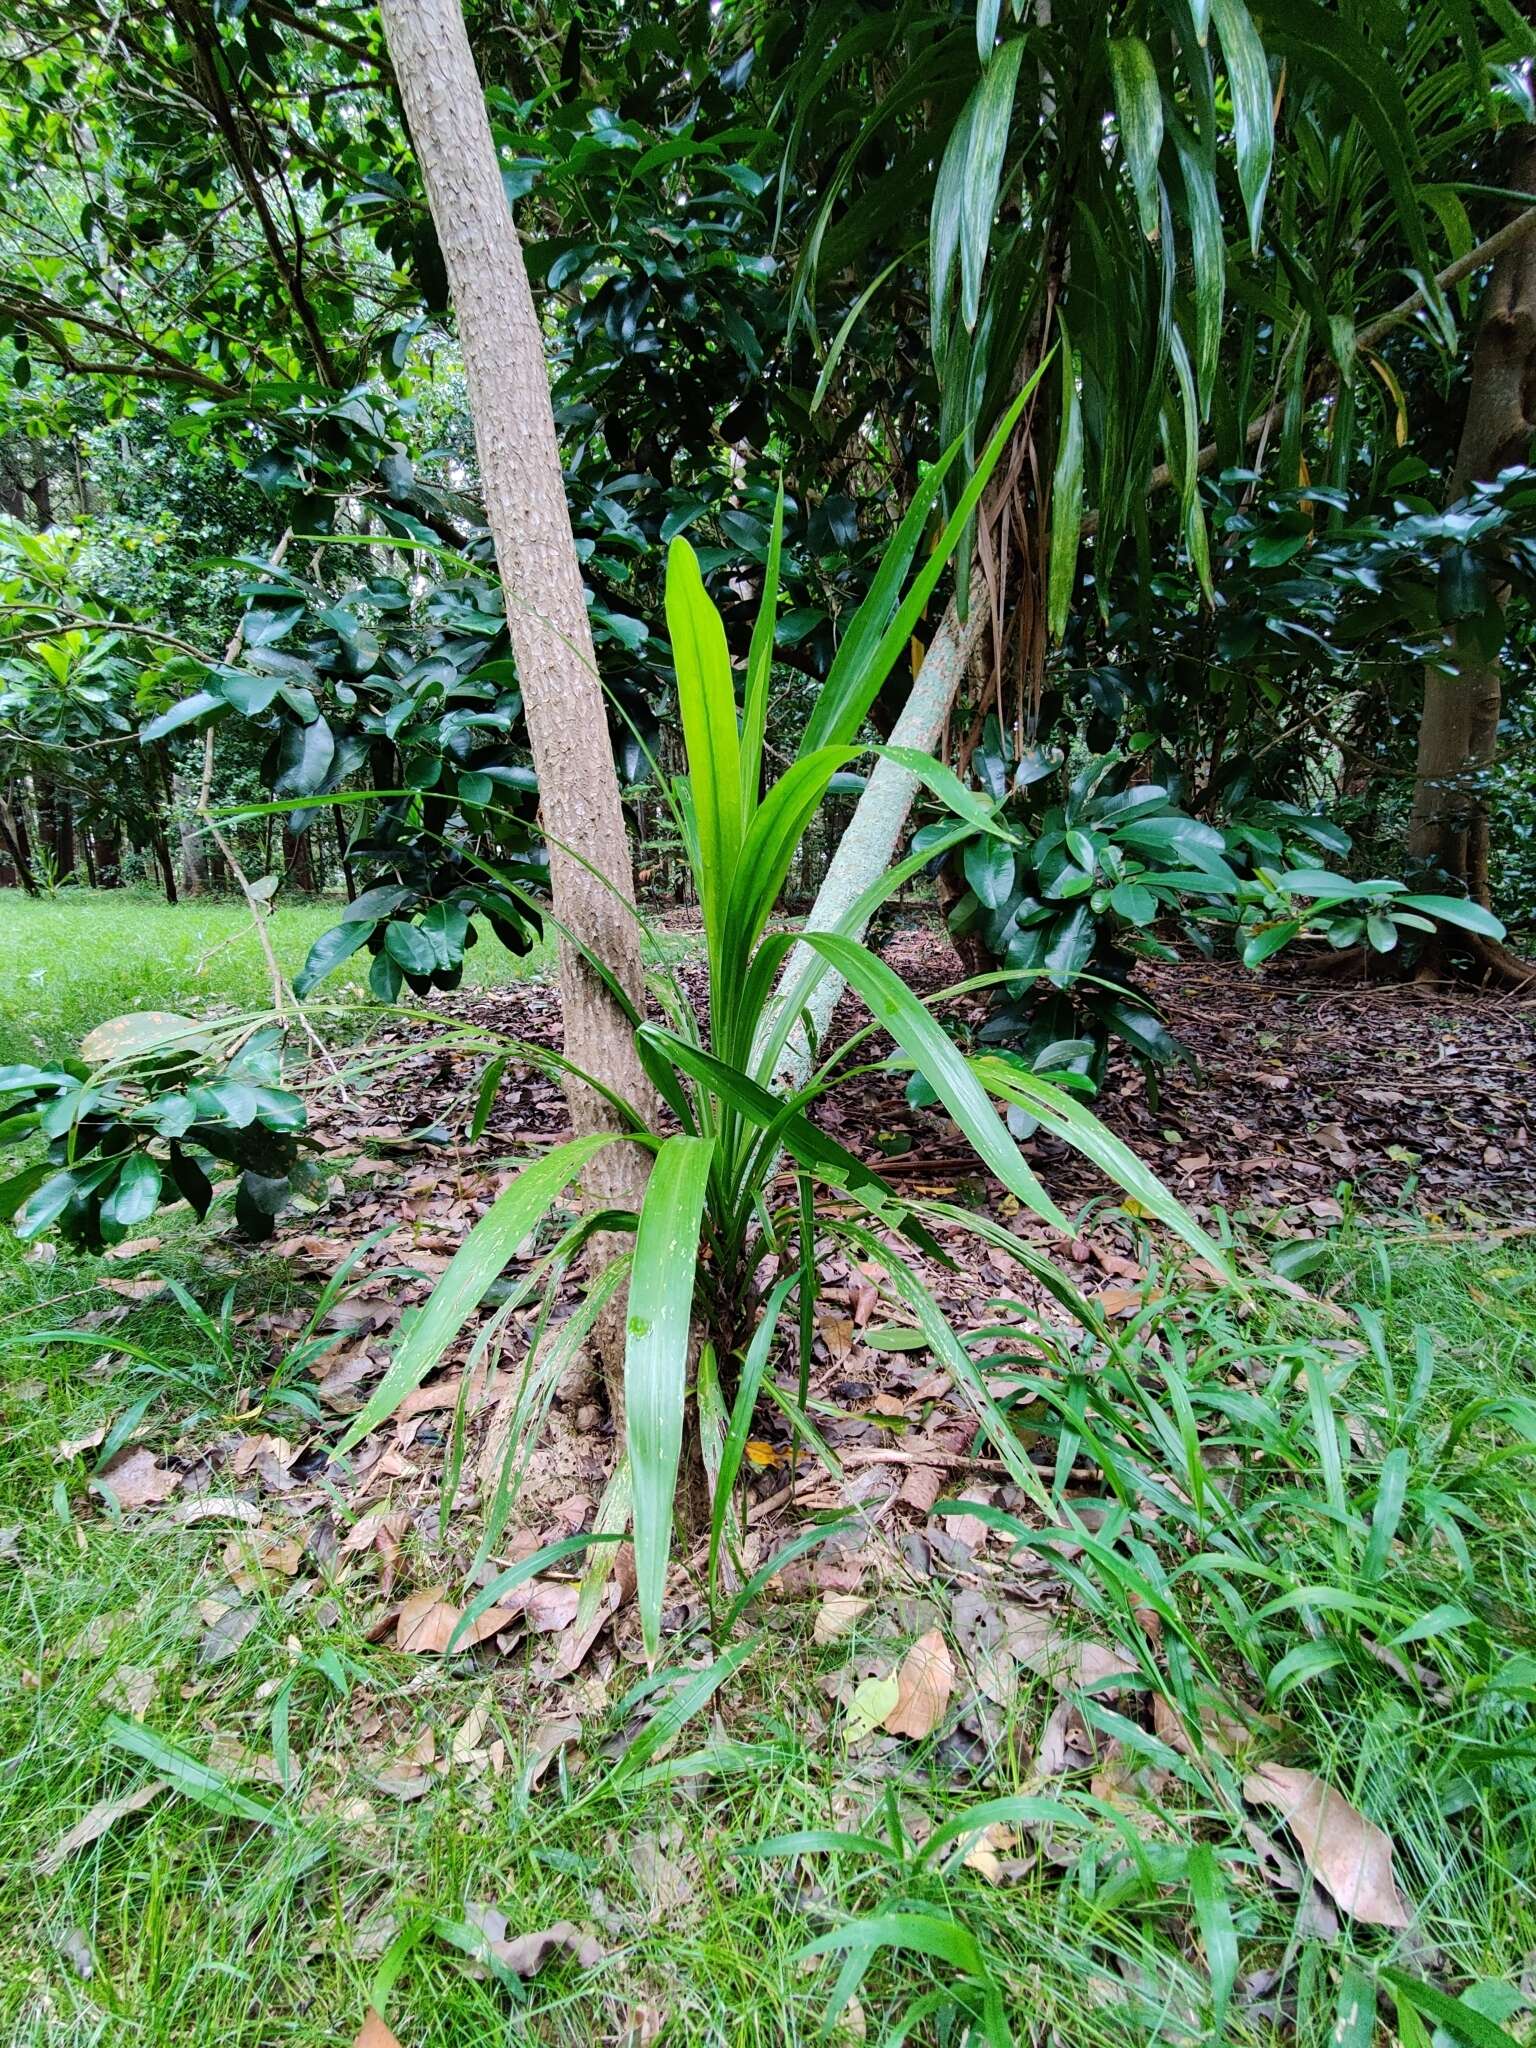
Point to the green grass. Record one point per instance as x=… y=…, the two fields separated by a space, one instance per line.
x=70 y=961
x=1237 y=1457
x=204 y=1927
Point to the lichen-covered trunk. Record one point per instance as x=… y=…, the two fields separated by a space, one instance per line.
x=508 y=388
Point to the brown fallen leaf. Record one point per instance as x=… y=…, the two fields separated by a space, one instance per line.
x=526 y=1954
x=132 y=1688
x=922 y=1487
x=137 y=1479
x=1347 y=1854
x=924 y=1683
x=95 y=1824
x=252 y=1560
x=137 y=1289
x=836 y=1616
x=373 y=2033
x=133 y=1248
x=547 y=1741
x=427 y=1621
x=225 y=1633
x=986 y=1853
x=74 y=1446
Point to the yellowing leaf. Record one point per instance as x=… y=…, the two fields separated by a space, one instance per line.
x=871 y=1702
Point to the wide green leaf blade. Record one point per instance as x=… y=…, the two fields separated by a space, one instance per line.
x=754 y=707
x=829 y=722
x=1457 y=910
x=706 y=701
x=1139 y=110
x=1252 y=109
x=944 y=218
x=839 y=713
x=476 y=1263
x=990 y=122
x=656 y=1357
x=804 y=1141
x=1066 y=492
x=769 y=846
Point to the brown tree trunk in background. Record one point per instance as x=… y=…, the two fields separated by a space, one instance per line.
x=13 y=829
x=509 y=403
x=164 y=862
x=64 y=837
x=1459 y=724
x=300 y=862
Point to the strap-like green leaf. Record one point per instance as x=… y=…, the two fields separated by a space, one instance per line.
x=989 y=127
x=1066 y=491
x=1139 y=110
x=706 y=701
x=754 y=707
x=1252 y=109
x=656 y=1358
x=933 y=1052
x=1080 y=1128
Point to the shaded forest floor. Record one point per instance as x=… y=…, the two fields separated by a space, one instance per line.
x=247 y=1794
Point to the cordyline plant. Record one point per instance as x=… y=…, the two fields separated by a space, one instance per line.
x=742 y=1178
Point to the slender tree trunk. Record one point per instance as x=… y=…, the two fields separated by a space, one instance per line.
x=301 y=861
x=341 y=854
x=508 y=386
x=1459 y=723
x=194 y=870
x=866 y=849
x=13 y=827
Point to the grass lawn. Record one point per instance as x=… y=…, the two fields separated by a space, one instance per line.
x=70 y=961
x=1317 y=1518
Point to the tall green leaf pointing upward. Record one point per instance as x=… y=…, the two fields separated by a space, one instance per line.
x=706 y=700
x=656 y=1357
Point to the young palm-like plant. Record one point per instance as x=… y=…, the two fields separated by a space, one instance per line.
x=739 y=1178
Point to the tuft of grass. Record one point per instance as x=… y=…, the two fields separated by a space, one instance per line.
x=1142 y=1918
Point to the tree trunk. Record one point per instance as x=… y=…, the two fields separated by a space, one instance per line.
x=509 y=403
x=866 y=849
x=194 y=867
x=300 y=861
x=13 y=827
x=1458 y=728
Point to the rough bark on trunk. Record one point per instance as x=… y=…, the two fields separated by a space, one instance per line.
x=13 y=827
x=509 y=402
x=1459 y=722
x=1458 y=727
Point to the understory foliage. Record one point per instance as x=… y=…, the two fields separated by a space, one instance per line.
x=694 y=1360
